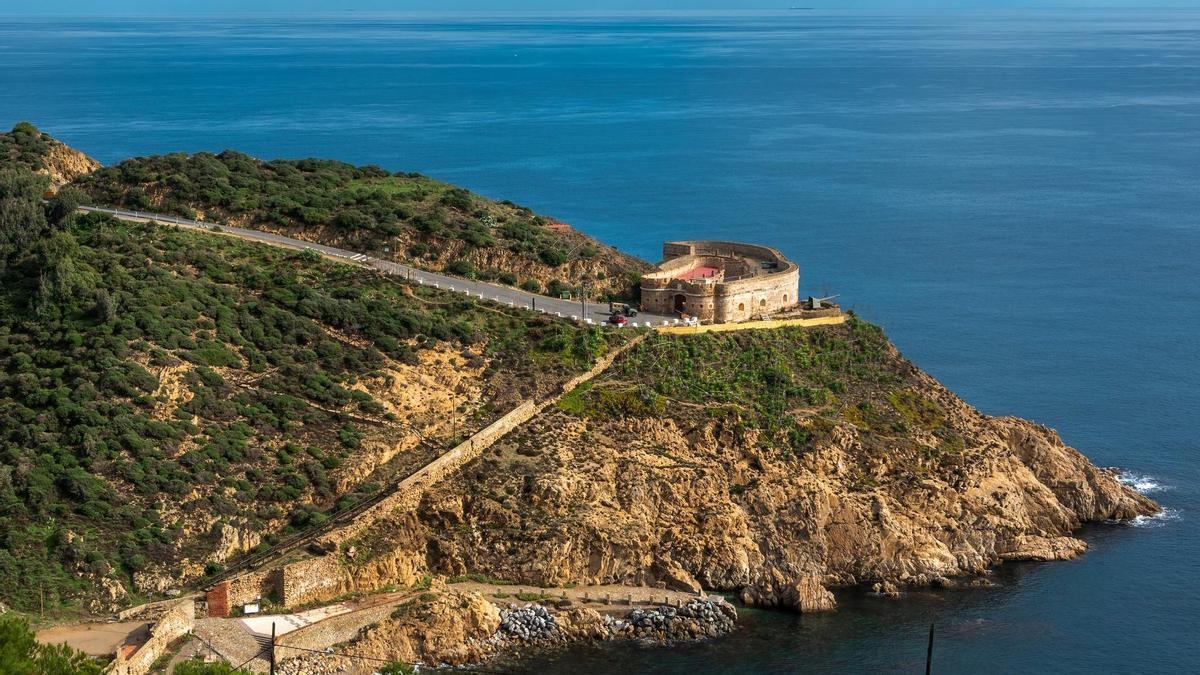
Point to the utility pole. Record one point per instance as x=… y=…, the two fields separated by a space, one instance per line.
x=533 y=302
x=271 y=654
x=583 y=303
x=929 y=653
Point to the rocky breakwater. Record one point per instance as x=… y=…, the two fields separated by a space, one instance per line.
x=699 y=618
x=527 y=624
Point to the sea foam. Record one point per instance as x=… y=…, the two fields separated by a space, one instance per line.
x=1157 y=520
x=1141 y=483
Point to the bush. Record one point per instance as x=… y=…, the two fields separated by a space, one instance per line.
x=553 y=256
x=461 y=268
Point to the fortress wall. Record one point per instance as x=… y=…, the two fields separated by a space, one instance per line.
x=721 y=301
x=677 y=249
x=746 y=298
x=668 y=269
x=177 y=621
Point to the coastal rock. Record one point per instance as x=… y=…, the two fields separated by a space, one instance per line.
x=450 y=628
x=1037 y=548
x=692 y=494
x=64 y=164
x=805 y=594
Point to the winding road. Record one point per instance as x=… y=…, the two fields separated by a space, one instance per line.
x=587 y=312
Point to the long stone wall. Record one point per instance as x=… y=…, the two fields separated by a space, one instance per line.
x=323 y=578
x=177 y=621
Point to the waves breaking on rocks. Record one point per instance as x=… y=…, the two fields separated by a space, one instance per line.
x=1142 y=483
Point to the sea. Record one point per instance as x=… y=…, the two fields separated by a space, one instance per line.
x=1013 y=195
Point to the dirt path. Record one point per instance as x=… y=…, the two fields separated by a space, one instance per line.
x=606 y=598
x=97 y=639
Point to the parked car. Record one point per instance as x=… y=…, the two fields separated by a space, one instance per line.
x=617 y=319
x=622 y=308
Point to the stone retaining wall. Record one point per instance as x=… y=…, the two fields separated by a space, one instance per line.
x=177 y=621
x=323 y=578
x=331 y=631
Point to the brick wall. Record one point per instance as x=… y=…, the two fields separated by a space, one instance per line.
x=217 y=600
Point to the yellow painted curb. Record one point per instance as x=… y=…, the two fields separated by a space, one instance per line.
x=753 y=325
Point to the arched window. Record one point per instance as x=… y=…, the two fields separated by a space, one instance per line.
x=762 y=303
x=741 y=306
x=785 y=297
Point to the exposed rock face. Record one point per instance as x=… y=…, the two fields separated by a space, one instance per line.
x=449 y=628
x=693 y=496
x=63 y=164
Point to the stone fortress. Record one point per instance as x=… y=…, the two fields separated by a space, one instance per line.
x=721 y=281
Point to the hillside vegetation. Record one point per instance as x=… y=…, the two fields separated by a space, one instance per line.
x=169 y=399
x=404 y=216
x=27 y=148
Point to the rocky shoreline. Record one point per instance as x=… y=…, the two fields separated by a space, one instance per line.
x=463 y=628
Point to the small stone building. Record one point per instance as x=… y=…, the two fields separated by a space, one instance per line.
x=720 y=281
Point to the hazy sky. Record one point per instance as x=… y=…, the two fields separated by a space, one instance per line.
x=225 y=6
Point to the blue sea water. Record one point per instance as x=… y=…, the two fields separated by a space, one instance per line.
x=1014 y=196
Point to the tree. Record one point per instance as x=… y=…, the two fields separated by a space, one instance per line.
x=395 y=668
x=63 y=275
x=21 y=654
x=64 y=203
x=22 y=218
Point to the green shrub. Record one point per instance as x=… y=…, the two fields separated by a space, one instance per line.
x=553 y=256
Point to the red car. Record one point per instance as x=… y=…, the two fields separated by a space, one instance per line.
x=617 y=319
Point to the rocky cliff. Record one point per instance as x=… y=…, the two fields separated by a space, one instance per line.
x=812 y=459
x=27 y=147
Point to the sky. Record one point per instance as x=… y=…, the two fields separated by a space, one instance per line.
x=252 y=6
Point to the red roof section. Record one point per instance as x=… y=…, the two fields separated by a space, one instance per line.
x=698 y=273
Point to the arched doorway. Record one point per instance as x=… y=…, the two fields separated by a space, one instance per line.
x=680 y=302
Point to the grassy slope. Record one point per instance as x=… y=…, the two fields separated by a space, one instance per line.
x=793 y=385
x=101 y=467
x=405 y=216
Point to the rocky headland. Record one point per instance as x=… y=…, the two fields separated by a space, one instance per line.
x=747 y=479
x=249 y=394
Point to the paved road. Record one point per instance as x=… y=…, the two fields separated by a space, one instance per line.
x=589 y=312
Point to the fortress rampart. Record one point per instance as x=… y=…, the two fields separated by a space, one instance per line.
x=721 y=281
